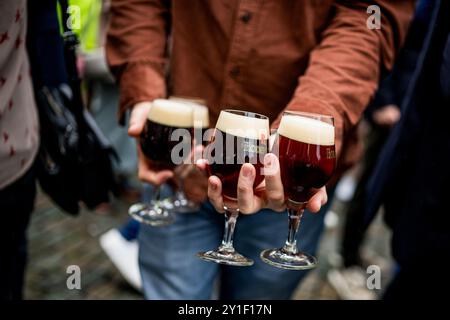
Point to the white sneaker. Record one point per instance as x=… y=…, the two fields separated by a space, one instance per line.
x=124 y=255
x=350 y=284
x=345 y=189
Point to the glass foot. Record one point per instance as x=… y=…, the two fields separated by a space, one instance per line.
x=231 y=258
x=292 y=261
x=183 y=205
x=156 y=214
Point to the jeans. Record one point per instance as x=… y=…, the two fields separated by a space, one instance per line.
x=16 y=205
x=170 y=269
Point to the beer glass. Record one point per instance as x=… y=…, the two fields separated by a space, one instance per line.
x=239 y=137
x=200 y=119
x=307 y=157
x=157 y=144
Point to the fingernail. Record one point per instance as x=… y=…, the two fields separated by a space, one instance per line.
x=213 y=186
x=246 y=172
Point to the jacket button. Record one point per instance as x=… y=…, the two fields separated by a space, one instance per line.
x=235 y=71
x=246 y=17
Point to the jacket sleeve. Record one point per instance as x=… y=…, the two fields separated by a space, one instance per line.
x=344 y=68
x=136 y=49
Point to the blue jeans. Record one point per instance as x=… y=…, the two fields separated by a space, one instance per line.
x=130 y=229
x=170 y=269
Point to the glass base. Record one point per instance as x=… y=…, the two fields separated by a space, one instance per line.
x=156 y=214
x=183 y=205
x=291 y=261
x=231 y=258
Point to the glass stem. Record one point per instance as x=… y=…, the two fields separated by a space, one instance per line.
x=231 y=216
x=181 y=194
x=295 y=215
x=157 y=193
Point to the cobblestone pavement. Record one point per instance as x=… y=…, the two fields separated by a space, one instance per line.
x=57 y=240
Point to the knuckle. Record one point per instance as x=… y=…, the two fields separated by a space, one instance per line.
x=217 y=206
x=244 y=189
x=278 y=208
x=246 y=209
x=244 y=206
x=141 y=175
x=276 y=198
x=211 y=195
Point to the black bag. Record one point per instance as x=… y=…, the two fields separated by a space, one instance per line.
x=74 y=161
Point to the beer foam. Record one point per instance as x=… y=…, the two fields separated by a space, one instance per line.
x=306 y=130
x=242 y=126
x=200 y=111
x=171 y=113
x=201 y=115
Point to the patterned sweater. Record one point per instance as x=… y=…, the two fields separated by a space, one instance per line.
x=19 y=128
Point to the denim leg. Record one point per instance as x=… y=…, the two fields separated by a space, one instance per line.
x=169 y=267
x=130 y=229
x=264 y=230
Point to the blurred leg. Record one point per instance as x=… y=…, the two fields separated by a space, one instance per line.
x=354 y=227
x=16 y=205
x=410 y=283
x=169 y=267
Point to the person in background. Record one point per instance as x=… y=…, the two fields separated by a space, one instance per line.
x=411 y=176
x=381 y=115
x=120 y=244
x=19 y=142
x=260 y=56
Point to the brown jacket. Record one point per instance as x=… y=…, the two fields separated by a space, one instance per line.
x=258 y=55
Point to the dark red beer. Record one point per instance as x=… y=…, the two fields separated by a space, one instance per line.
x=307 y=156
x=305 y=147
x=229 y=165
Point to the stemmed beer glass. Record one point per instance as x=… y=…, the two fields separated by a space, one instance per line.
x=156 y=142
x=307 y=157
x=239 y=137
x=200 y=118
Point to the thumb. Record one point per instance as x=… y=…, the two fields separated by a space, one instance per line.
x=138 y=117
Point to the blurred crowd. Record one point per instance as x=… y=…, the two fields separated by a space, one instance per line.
x=98 y=64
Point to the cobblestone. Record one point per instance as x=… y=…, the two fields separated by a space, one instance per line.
x=57 y=240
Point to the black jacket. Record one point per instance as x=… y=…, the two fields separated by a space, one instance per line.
x=412 y=177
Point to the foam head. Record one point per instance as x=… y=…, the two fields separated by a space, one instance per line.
x=201 y=115
x=171 y=113
x=243 y=126
x=200 y=110
x=306 y=130
x=188 y=100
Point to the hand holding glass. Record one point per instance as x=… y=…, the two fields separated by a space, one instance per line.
x=240 y=137
x=305 y=144
x=164 y=118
